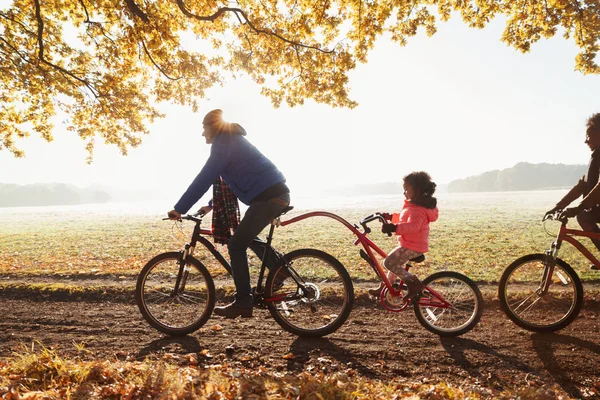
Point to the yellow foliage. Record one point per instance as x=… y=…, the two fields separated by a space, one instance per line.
x=106 y=64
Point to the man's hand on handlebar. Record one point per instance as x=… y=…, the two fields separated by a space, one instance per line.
x=173 y=214
x=551 y=212
x=571 y=212
x=204 y=210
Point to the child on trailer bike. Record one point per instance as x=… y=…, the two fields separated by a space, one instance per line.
x=420 y=208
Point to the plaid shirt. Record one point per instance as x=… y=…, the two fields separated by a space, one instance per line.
x=226 y=212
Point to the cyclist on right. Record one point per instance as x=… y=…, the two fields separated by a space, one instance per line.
x=588 y=211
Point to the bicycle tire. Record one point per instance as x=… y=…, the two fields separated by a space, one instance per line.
x=463 y=314
x=180 y=314
x=324 y=307
x=548 y=313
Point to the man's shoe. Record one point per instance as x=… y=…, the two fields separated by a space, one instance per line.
x=414 y=286
x=233 y=311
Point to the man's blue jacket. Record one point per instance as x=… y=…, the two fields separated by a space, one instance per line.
x=245 y=170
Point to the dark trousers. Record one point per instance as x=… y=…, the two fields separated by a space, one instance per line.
x=588 y=220
x=257 y=217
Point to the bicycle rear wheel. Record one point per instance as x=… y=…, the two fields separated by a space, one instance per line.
x=451 y=304
x=311 y=294
x=175 y=312
x=524 y=301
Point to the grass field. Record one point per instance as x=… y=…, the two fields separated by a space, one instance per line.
x=477 y=234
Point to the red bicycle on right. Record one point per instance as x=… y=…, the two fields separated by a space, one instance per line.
x=541 y=292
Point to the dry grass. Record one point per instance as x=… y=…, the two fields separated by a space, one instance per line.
x=39 y=373
x=475 y=235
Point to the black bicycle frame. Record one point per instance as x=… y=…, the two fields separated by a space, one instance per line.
x=197 y=237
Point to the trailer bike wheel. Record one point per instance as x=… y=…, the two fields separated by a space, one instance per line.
x=450 y=305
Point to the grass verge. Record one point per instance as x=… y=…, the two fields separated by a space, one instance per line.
x=40 y=373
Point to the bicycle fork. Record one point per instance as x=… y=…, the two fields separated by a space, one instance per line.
x=549 y=263
x=184 y=270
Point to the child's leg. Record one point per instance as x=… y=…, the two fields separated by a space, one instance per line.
x=391 y=276
x=395 y=262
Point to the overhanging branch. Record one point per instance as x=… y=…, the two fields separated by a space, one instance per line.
x=40 y=40
x=155 y=64
x=238 y=12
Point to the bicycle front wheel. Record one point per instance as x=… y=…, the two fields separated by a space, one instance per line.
x=311 y=294
x=451 y=304
x=527 y=302
x=175 y=311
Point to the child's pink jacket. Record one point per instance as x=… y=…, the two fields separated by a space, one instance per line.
x=413 y=227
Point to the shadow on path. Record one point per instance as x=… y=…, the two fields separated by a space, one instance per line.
x=302 y=348
x=545 y=345
x=171 y=344
x=456 y=347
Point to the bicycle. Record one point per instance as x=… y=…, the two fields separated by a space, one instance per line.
x=541 y=292
x=451 y=303
x=307 y=291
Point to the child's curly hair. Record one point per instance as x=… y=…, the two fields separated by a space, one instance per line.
x=424 y=187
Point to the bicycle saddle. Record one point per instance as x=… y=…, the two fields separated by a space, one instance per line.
x=418 y=259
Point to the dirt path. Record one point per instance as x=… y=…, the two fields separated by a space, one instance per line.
x=376 y=343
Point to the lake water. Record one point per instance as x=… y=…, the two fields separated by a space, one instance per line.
x=539 y=199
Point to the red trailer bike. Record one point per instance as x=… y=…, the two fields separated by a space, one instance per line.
x=451 y=303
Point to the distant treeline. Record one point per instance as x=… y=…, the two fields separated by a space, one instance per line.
x=523 y=176
x=42 y=194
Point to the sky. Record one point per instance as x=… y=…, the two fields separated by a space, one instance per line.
x=456 y=104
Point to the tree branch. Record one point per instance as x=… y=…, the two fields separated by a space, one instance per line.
x=155 y=64
x=40 y=33
x=94 y=23
x=25 y=27
x=16 y=51
x=135 y=10
x=300 y=64
x=237 y=11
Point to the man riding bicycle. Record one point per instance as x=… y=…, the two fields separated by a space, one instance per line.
x=588 y=211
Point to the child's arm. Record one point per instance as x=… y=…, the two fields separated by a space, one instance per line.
x=412 y=225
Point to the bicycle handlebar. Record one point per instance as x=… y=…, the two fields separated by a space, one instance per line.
x=383 y=217
x=556 y=216
x=190 y=217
